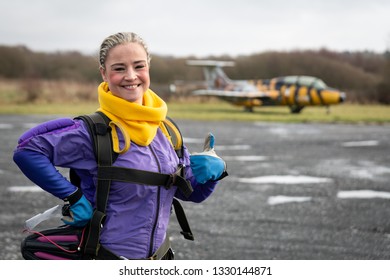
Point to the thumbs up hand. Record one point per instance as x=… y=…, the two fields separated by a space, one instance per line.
x=207 y=165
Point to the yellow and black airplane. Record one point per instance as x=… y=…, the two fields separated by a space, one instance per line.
x=296 y=92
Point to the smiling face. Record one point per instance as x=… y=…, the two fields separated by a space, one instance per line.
x=127 y=71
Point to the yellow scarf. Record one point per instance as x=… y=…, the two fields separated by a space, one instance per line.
x=138 y=123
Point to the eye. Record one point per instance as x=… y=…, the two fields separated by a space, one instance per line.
x=118 y=68
x=140 y=66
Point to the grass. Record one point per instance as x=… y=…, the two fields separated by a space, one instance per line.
x=344 y=113
x=48 y=109
x=53 y=98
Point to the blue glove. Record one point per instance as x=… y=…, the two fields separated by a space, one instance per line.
x=79 y=213
x=207 y=166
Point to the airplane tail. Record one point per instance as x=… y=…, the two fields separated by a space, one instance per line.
x=214 y=75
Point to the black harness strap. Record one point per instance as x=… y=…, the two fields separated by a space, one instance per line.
x=101 y=133
x=92 y=243
x=176 y=136
x=145 y=177
x=182 y=219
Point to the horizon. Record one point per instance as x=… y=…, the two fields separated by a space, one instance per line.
x=63 y=51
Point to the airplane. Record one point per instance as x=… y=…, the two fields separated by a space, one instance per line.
x=296 y=92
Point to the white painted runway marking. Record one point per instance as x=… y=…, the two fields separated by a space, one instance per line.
x=362 y=194
x=364 y=169
x=232 y=147
x=279 y=199
x=369 y=172
x=193 y=140
x=291 y=130
x=11 y=126
x=30 y=125
x=6 y=126
x=368 y=143
x=25 y=189
x=217 y=147
x=280 y=131
x=245 y=158
x=287 y=179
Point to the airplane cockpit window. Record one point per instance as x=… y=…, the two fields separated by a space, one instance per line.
x=306 y=81
x=290 y=80
x=319 y=84
x=309 y=81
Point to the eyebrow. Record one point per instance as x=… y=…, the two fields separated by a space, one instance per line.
x=117 y=64
x=123 y=64
x=139 y=61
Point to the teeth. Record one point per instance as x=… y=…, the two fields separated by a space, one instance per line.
x=131 y=87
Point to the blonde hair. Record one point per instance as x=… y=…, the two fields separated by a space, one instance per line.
x=117 y=39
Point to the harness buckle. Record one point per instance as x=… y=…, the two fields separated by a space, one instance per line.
x=171 y=181
x=172 y=177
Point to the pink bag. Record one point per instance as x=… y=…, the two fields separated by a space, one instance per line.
x=61 y=243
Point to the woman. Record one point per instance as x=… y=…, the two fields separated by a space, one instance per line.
x=137 y=215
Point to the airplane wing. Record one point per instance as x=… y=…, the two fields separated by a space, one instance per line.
x=234 y=94
x=208 y=63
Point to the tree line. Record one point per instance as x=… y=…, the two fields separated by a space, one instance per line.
x=365 y=76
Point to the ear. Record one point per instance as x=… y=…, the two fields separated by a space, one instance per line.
x=103 y=73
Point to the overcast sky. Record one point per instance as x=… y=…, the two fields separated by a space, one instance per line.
x=199 y=27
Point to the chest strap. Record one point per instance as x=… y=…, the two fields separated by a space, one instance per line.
x=146 y=177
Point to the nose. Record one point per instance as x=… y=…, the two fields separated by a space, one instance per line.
x=131 y=74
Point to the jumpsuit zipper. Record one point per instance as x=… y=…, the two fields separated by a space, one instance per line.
x=151 y=242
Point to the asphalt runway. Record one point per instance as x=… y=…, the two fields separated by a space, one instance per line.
x=294 y=192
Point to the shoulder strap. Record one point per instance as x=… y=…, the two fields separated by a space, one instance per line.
x=98 y=124
x=176 y=136
x=100 y=132
x=182 y=219
x=177 y=142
